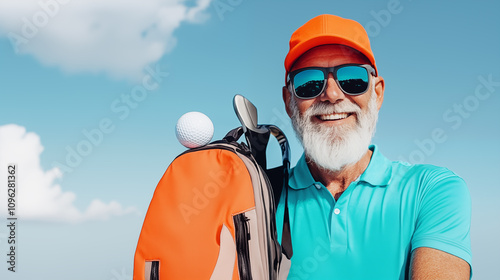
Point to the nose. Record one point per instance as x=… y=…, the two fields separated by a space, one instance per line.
x=332 y=92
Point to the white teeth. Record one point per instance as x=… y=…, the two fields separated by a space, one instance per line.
x=332 y=117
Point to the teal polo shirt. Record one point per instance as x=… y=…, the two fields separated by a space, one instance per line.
x=369 y=233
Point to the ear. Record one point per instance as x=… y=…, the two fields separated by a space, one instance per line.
x=379 y=90
x=286 y=99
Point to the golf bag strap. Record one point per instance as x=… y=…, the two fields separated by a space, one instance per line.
x=234 y=134
x=286 y=237
x=278 y=176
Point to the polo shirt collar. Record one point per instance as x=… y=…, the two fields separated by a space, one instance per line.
x=378 y=172
x=300 y=176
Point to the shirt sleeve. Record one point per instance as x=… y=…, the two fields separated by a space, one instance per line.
x=444 y=216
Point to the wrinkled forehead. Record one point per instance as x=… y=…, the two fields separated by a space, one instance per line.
x=328 y=56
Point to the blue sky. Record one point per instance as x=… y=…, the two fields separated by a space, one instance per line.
x=79 y=73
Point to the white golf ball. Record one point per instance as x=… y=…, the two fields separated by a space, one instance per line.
x=194 y=129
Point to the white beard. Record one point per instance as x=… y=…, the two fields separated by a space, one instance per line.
x=333 y=148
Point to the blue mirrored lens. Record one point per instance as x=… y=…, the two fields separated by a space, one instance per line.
x=308 y=83
x=353 y=79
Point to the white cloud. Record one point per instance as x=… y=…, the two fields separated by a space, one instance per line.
x=38 y=196
x=113 y=36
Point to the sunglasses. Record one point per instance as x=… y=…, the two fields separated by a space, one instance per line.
x=310 y=82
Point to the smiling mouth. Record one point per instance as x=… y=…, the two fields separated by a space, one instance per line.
x=333 y=117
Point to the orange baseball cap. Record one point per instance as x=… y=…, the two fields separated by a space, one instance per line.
x=325 y=30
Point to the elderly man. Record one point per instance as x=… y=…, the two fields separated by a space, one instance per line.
x=353 y=213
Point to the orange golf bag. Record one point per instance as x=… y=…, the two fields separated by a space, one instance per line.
x=212 y=215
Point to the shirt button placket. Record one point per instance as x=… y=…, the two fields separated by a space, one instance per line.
x=339 y=226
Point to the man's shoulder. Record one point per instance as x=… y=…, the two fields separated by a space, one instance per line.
x=424 y=172
x=402 y=172
x=427 y=178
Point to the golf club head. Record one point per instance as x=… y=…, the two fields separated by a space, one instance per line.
x=247 y=114
x=257 y=136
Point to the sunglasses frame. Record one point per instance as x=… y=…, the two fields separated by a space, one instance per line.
x=326 y=71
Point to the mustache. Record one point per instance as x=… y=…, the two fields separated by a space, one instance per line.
x=325 y=108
